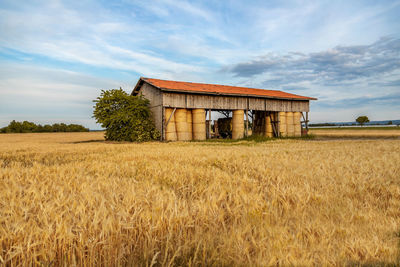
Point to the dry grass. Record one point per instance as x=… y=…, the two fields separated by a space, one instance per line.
x=286 y=202
x=389 y=133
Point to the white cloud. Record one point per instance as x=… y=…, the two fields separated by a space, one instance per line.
x=30 y=92
x=182 y=40
x=60 y=33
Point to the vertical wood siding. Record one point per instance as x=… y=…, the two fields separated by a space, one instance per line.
x=182 y=100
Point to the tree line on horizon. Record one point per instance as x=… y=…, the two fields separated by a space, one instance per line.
x=361 y=120
x=30 y=127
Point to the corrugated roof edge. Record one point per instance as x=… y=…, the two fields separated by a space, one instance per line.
x=145 y=79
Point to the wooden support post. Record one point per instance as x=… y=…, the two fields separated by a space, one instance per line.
x=278 y=124
x=273 y=123
x=209 y=124
x=163 y=128
x=252 y=115
x=307 y=122
x=247 y=123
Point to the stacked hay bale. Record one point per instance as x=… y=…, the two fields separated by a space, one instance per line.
x=170 y=131
x=238 y=124
x=282 y=124
x=181 y=124
x=189 y=124
x=268 y=126
x=199 y=124
x=289 y=124
x=297 y=123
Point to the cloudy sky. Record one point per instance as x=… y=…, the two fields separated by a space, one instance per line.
x=56 y=56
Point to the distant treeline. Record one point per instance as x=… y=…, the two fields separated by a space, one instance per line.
x=351 y=124
x=321 y=124
x=30 y=127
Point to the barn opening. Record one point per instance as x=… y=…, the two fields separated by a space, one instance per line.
x=185 y=111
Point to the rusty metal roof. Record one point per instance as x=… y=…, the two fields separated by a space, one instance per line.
x=203 y=88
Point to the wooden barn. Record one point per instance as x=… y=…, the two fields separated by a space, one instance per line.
x=180 y=109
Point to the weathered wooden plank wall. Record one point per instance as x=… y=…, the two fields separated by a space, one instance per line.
x=156 y=103
x=181 y=100
x=302 y=105
x=257 y=103
x=174 y=100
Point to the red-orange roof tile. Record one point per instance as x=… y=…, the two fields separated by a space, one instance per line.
x=220 y=89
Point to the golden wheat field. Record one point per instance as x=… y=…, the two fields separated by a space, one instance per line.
x=361 y=133
x=71 y=199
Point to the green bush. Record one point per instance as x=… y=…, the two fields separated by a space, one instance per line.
x=125 y=117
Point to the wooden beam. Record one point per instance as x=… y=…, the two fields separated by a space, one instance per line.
x=224 y=112
x=304 y=118
x=307 y=122
x=163 y=124
x=247 y=123
x=209 y=124
x=172 y=114
x=252 y=115
x=162 y=137
x=273 y=123
x=278 y=124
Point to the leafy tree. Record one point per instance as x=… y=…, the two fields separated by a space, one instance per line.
x=125 y=117
x=362 y=120
x=390 y=122
x=28 y=127
x=14 y=127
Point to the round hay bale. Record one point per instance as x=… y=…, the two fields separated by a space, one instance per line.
x=282 y=124
x=268 y=126
x=289 y=124
x=297 y=123
x=199 y=124
x=238 y=124
x=181 y=124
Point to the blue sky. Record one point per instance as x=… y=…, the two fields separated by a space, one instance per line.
x=56 y=56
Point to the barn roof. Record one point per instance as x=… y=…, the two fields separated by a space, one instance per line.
x=204 y=88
